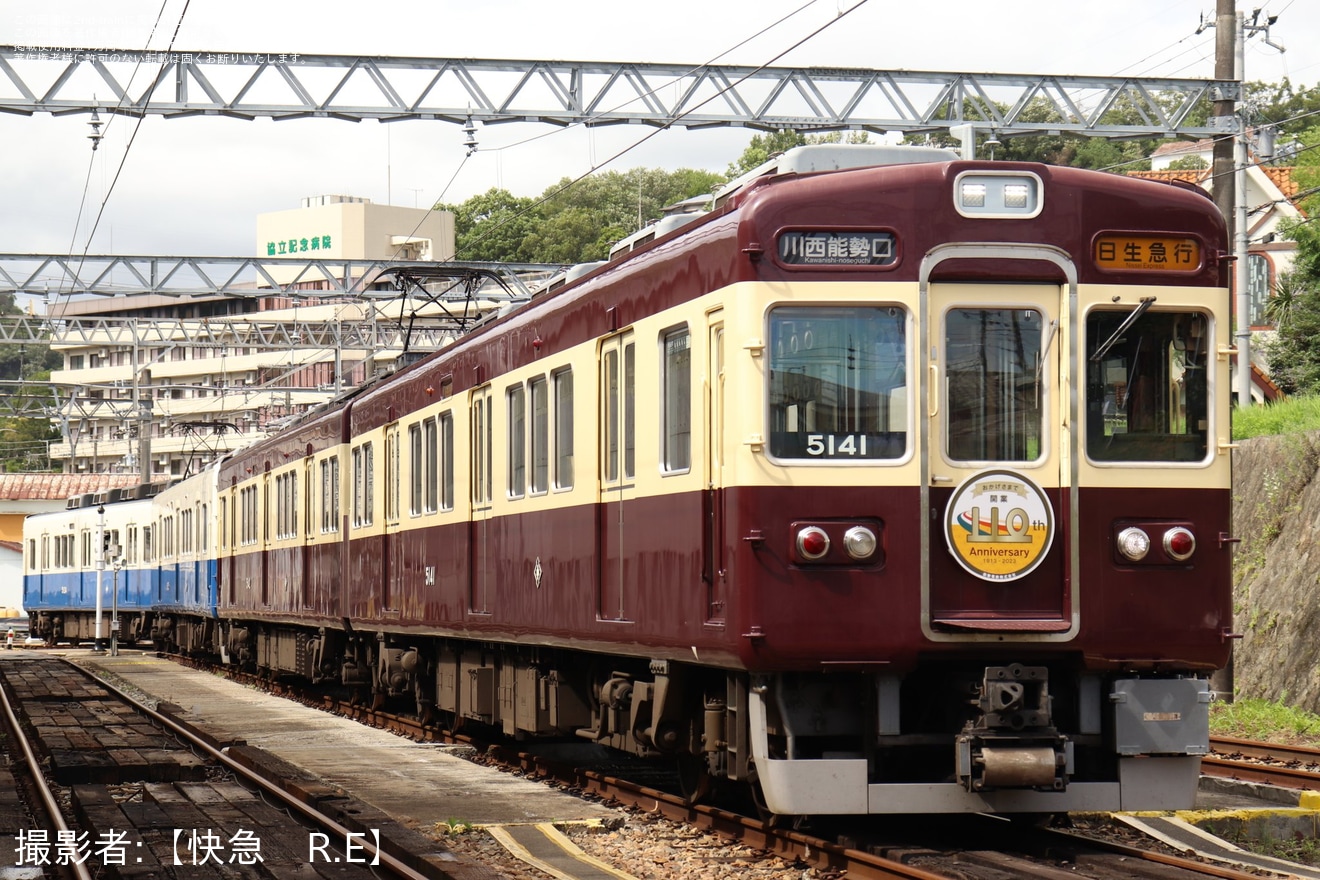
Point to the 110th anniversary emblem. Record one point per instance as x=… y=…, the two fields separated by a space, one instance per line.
x=999 y=525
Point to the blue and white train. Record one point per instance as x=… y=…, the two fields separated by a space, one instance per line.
x=149 y=551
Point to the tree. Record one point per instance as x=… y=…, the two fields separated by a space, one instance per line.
x=1306 y=170
x=572 y=221
x=1290 y=108
x=25 y=442
x=583 y=218
x=762 y=147
x=1294 y=351
x=493 y=226
x=572 y=234
x=1099 y=153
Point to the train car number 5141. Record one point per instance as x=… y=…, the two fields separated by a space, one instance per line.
x=836 y=445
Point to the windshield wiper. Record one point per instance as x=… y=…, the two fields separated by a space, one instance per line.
x=1146 y=303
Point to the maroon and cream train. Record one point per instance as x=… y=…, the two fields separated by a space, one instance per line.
x=892 y=488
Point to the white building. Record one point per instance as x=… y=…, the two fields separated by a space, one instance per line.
x=199 y=401
x=1269 y=202
x=350 y=227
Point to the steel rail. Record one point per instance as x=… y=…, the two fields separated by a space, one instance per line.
x=48 y=802
x=1264 y=762
x=1265 y=751
x=393 y=864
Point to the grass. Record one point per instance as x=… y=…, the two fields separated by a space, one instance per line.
x=1265 y=720
x=453 y=826
x=1292 y=416
x=1305 y=850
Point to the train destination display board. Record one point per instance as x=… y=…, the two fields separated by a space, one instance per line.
x=837 y=248
x=1121 y=252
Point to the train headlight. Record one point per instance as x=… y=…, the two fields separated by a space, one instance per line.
x=860 y=542
x=973 y=195
x=812 y=543
x=1133 y=543
x=1002 y=194
x=1016 y=195
x=1179 y=544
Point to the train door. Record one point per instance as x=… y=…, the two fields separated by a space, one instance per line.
x=392 y=552
x=996 y=455
x=480 y=456
x=714 y=570
x=311 y=568
x=618 y=471
x=228 y=542
x=265 y=515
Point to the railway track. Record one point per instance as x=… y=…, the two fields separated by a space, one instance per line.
x=969 y=847
x=42 y=807
x=107 y=800
x=1295 y=767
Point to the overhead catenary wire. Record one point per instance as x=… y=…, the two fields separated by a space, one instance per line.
x=1295 y=118
x=105 y=200
x=762 y=32
x=649 y=135
x=601 y=113
x=596 y=166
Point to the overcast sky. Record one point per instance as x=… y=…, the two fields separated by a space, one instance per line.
x=195 y=186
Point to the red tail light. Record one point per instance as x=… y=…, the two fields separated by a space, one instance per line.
x=1179 y=544
x=813 y=543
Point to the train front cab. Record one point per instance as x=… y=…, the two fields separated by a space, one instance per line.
x=1070 y=475
x=61 y=575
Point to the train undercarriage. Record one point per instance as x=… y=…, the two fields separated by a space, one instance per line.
x=951 y=736
x=77 y=627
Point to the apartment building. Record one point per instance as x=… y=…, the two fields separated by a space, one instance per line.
x=178 y=381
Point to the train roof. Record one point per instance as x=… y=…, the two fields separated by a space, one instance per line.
x=816 y=158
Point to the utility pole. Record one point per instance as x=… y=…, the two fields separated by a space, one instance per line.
x=1231 y=160
x=141 y=403
x=99 y=551
x=1238 y=226
x=1224 y=171
x=1224 y=190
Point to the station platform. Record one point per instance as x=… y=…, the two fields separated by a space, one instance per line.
x=421 y=785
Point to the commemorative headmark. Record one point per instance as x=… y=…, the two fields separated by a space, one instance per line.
x=999 y=525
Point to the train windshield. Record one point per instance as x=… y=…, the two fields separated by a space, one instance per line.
x=1146 y=388
x=838 y=383
x=995 y=383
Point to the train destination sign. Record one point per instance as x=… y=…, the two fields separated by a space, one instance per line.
x=837 y=248
x=1147 y=253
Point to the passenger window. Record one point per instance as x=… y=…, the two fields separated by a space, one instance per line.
x=994 y=384
x=517 y=441
x=676 y=400
x=539 y=436
x=1147 y=389
x=838 y=383
x=564 y=429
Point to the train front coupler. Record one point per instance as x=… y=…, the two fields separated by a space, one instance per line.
x=1012 y=742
